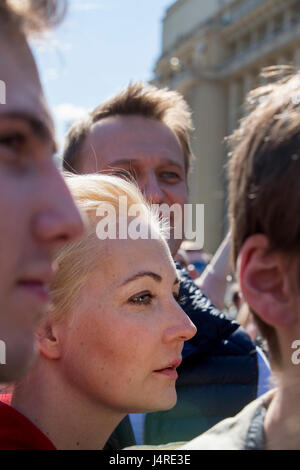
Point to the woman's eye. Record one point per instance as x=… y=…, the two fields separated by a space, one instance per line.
x=142 y=299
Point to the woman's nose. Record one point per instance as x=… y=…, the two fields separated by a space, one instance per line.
x=180 y=327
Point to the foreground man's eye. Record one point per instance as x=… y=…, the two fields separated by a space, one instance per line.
x=12 y=141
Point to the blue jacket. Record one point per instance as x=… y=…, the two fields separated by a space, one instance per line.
x=217 y=377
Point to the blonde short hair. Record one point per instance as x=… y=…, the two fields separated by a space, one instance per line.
x=77 y=259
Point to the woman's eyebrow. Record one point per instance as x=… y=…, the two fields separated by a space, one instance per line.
x=154 y=276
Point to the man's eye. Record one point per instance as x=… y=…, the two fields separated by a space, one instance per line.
x=12 y=140
x=144 y=298
x=12 y=145
x=170 y=176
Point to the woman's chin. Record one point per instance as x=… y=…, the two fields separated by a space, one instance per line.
x=165 y=403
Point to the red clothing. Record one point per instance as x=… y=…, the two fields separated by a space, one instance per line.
x=18 y=433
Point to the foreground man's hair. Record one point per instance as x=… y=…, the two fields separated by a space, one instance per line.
x=31 y=16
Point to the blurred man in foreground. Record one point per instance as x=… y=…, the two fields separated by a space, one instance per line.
x=37 y=213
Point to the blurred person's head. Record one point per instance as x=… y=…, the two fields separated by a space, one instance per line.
x=264 y=196
x=114 y=335
x=37 y=213
x=246 y=320
x=197 y=258
x=144 y=130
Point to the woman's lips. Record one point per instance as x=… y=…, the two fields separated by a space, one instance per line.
x=170 y=369
x=169 y=372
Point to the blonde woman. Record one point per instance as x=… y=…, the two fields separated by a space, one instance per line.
x=112 y=341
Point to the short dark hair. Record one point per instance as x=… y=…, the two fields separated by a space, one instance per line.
x=141 y=99
x=264 y=175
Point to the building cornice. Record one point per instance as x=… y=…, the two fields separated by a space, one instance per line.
x=246 y=20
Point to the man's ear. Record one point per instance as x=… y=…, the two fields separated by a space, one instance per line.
x=48 y=339
x=265 y=282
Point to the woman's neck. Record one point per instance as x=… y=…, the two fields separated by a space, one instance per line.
x=67 y=417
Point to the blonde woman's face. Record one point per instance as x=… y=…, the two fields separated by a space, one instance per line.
x=125 y=336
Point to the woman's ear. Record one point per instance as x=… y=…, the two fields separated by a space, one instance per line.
x=48 y=339
x=265 y=282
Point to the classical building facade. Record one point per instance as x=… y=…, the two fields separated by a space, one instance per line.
x=213 y=52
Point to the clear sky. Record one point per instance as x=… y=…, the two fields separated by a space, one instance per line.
x=99 y=48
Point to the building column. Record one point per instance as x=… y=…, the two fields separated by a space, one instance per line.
x=270 y=29
x=281 y=60
x=234 y=102
x=287 y=20
x=254 y=38
x=209 y=101
x=297 y=57
x=248 y=84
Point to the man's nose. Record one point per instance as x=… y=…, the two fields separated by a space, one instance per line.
x=151 y=189
x=180 y=327
x=58 y=220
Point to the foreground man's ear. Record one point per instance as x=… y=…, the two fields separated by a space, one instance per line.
x=265 y=282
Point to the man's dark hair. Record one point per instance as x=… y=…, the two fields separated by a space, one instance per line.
x=264 y=176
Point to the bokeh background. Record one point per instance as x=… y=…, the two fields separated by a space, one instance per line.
x=212 y=51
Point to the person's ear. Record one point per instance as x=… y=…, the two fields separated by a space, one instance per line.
x=265 y=282
x=48 y=339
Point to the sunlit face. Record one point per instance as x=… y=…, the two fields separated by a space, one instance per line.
x=37 y=213
x=148 y=150
x=124 y=338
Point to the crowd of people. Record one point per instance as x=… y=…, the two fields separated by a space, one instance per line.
x=117 y=341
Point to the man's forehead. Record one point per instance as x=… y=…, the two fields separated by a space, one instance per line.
x=126 y=136
x=104 y=150
x=21 y=86
x=127 y=125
